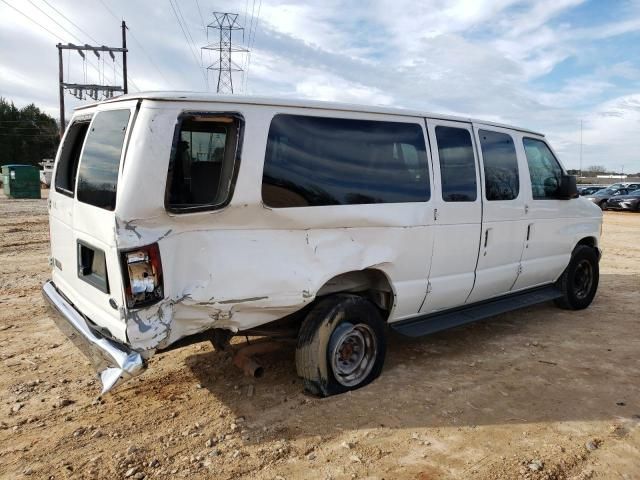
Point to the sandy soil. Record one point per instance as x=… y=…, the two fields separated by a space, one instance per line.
x=540 y=393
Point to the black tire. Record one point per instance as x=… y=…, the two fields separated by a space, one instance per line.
x=579 y=281
x=332 y=330
x=602 y=205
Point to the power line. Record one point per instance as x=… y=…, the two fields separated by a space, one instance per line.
x=109 y=10
x=96 y=68
x=32 y=20
x=135 y=39
x=186 y=26
x=71 y=22
x=204 y=25
x=251 y=42
x=188 y=44
x=55 y=21
x=97 y=42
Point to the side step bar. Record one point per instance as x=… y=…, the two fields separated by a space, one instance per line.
x=435 y=322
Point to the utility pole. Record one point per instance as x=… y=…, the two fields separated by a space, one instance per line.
x=61 y=91
x=580 y=148
x=225 y=24
x=124 y=58
x=91 y=90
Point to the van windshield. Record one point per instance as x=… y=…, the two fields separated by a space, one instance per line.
x=100 y=162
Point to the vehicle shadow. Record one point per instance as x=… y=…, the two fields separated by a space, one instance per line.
x=540 y=364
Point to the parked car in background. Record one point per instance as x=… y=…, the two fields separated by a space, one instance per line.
x=627 y=185
x=601 y=197
x=590 y=190
x=631 y=201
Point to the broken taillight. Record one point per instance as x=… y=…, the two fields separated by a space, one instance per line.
x=142 y=270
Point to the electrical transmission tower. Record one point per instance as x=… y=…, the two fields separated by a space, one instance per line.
x=225 y=24
x=79 y=90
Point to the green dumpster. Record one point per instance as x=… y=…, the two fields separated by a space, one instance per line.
x=21 y=181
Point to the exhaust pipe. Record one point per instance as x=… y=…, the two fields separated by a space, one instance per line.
x=243 y=357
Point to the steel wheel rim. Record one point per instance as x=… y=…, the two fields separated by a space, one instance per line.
x=583 y=279
x=353 y=353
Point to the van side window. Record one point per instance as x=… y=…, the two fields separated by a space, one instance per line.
x=501 y=181
x=100 y=163
x=314 y=161
x=457 y=164
x=67 y=168
x=544 y=169
x=201 y=171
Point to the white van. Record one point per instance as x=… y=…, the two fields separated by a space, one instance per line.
x=181 y=217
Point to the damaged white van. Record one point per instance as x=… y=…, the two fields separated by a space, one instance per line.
x=179 y=217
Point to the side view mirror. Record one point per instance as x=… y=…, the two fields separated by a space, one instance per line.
x=568 y=188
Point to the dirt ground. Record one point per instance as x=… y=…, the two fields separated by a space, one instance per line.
x=540 y=393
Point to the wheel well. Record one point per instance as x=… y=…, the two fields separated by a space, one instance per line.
x=370 y=283
x=589 y=242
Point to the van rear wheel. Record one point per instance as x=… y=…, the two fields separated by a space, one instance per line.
x=341 y=345
x=579 y=281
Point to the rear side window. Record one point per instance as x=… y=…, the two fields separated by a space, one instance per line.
x=457 y=164
x=501 y=181
x=203 y=163
x=67 y=168
x=544 y=169
x=98 y=174
x=314 y=161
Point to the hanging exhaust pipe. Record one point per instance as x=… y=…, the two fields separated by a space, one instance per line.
x=243 y=357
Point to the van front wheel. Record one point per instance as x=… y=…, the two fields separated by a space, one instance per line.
x=341 y=345
x=579 y=281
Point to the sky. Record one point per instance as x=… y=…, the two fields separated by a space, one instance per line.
x=548 y=65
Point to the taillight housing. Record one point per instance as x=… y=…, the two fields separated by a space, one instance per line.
x=142 y=271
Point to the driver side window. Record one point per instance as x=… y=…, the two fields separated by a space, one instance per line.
x=544 y=170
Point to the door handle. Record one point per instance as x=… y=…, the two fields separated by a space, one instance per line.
x=529 y=231
x=486 y=237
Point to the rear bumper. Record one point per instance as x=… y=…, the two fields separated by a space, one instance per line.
x=113 y=361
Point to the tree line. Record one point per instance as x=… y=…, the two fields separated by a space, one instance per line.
x=27 y=135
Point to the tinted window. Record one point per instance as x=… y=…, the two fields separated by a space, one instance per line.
x=98 y=174
x=203 y=162
x=457 y=164
x=501 y=181
x=314 y=161
x=69 y=156
x=544 y=169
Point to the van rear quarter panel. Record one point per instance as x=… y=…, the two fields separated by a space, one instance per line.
x=246 y=264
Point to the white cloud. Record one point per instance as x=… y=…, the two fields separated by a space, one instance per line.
x=481 y=58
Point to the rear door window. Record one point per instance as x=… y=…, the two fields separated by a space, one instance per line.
x=100 y=163
x=315 y=161
x=500 y=161
x=67 y=169
x=457 y=164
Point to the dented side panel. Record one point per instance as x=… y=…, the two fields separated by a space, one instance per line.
x=238 y=279
x=246 y=265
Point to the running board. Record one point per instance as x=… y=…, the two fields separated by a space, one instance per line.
x=435 y=322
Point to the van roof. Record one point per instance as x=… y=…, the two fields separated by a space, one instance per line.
x=176 y=96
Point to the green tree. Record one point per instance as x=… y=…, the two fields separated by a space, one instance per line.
x=27 y=135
